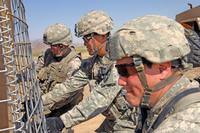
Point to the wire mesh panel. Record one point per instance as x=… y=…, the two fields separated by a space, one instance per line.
x=19 y=91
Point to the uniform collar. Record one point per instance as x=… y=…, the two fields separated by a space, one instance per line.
x=178 y=87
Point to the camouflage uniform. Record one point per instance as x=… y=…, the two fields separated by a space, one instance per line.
x=52 y=70
x=181 y=121
x=159 y=39
x=100 y=74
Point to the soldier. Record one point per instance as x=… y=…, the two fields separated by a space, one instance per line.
x=57 y=64
x=100 y=73
x=150 y=57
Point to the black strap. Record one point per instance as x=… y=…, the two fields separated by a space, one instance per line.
x=170 y=106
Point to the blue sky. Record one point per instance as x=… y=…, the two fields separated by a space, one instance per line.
x=41 y=13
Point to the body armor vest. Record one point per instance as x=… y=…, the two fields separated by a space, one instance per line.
x=55 y=70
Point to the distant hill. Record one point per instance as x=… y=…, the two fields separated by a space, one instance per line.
x=38 y=47
x=38 y=44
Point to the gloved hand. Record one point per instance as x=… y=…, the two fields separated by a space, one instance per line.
x=43 y=74
x=54 y=125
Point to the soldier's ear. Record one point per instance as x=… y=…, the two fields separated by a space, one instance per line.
x=165 y=70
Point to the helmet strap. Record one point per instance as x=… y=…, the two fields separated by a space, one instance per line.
x=147 y=90
x=65 y=51
x=167 y=81
x=95 y=49
x=140 y=70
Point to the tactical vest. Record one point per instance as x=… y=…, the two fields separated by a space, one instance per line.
x=55 y=71
x=96 y=68
x=98 y=71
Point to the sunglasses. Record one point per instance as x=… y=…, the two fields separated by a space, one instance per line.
x=86 y=38
x=58 y=45
x=122 y=69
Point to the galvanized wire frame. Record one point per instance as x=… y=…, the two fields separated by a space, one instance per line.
x=22 y=88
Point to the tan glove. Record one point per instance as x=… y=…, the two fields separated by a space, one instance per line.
x=43 y=74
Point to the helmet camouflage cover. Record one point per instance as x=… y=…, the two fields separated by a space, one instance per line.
x=57 y=34
x=155 y=38
x=94 y=22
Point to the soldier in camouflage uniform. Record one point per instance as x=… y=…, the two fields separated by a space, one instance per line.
x=99 y=72
x=57 y=64
x=150 y=52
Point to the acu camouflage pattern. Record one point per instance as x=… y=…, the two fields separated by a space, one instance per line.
x=105 y=98
x=57 y=34
x=51 y=71
x=144 y=37
x=159 y=39
x=184 y=120
x=94 y=22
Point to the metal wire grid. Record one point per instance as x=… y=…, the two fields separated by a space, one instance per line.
x=24 y=97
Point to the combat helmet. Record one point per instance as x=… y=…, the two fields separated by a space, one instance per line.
x=157 y=39
x=57 y=34
x=94 y=22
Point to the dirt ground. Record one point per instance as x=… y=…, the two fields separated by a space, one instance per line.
x=89 y=126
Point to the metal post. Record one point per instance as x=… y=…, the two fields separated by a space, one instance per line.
x=4 y=122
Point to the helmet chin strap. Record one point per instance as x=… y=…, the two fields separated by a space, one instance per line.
x=147 y=90
x=95 y=49
x=140 y=70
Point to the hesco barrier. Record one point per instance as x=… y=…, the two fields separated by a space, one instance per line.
x=20 y=100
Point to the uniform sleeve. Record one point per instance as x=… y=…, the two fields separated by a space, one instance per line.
x=185 y=121
x=99 y=100
x=62 y=91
